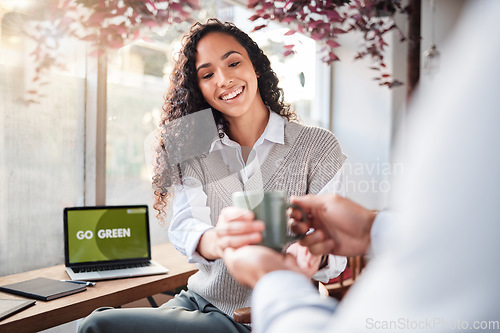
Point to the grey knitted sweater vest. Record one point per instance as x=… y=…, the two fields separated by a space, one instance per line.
x=305 y=163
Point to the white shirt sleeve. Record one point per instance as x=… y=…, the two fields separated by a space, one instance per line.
x=336 y=185
x=190 y=219
x=293 y=299
x=380 y=231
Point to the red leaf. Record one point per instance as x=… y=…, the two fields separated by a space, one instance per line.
x=252 y=3
x=333 y=56
x=333 y=15
x=267 y=5
x=195 y=4
x=175 y=6
x=314 y=24
x=317 y=36
x=259 y=27
x=288 y=52
x=290 y=32
x=332 y=43
x=254 y=17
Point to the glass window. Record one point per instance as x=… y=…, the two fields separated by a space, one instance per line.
x=41 y=145
x=44 y=158
x=135 y=90
x=137 y=82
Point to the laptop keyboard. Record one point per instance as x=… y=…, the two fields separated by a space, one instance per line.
x=102 y=268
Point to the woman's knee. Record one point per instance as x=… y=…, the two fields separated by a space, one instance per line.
x=133 y=320
x=96 y=321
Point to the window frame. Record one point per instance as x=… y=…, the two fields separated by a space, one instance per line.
x=95 y=130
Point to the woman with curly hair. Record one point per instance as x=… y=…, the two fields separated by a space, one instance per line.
x=257 y=145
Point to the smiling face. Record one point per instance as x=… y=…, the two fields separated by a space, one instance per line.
x=227 y=78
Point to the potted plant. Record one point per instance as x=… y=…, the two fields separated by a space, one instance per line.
x=115 y=23
x=325 y=20
x=106 y=24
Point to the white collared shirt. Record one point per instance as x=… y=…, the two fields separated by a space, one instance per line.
x=191 y=215
x=274 y=133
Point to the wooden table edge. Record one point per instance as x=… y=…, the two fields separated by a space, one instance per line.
x=26 y=321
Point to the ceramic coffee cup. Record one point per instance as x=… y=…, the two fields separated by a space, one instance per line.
x=271 y=208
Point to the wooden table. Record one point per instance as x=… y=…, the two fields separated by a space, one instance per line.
x=106 y=293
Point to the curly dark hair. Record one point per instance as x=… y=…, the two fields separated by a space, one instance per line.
x=184 y=97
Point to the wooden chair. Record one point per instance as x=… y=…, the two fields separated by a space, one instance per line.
x=243 y=315
x=340 y=285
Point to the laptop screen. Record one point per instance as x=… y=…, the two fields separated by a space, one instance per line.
x=106 y=233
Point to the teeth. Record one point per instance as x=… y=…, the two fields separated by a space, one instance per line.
x=233 y=94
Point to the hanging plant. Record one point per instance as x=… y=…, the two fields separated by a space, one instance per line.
x=325 y=20
x=106 y=24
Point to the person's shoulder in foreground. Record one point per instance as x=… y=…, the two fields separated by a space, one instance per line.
x=447 y=223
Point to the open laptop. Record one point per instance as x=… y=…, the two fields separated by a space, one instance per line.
x=108 y=242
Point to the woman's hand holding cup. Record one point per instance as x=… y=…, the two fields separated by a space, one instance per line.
x=235 y=228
